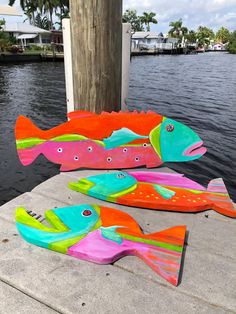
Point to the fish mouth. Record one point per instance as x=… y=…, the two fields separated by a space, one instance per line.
x=83 y=185
x=195 y=150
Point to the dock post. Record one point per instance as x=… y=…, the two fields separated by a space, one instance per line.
x=68 y=64
x=126 y=51
x=96 y=42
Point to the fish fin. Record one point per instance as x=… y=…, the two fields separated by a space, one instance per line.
x=79 y=114
x=28 y=156
x=25 y=128
x=110 y=234
x=164 y=192
x=121 y=137
x=166 y=261
x=217 y=186
x=220 y=198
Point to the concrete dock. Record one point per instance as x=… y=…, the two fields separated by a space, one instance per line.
x=36 y=280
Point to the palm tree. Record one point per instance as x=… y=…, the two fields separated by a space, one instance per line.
x=148 y=18
x=33 y=7
x=42 y=22
x=29 y=7
x=177 y=29
x=49 y=7
x=23 y=3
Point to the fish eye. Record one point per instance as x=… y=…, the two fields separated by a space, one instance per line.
x=136 y=158
x=86 y=213
x=125 y=150
x=76 y=158
x=90 y=149
x=145 y=144
x=109 y=159
x=170 y=128
x=59 y=150
x=120 y=175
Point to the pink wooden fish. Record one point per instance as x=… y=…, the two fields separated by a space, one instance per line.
x=103 y=235
x=109 y=141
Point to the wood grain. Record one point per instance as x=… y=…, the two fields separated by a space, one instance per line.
x=96 y=34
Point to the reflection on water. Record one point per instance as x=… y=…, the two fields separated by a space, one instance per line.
x=198 y=90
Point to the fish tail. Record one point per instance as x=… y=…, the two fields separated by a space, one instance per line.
x=25 y=128
x=28 y=137
x=28 y=156
x=165 y=257
x=220 y=198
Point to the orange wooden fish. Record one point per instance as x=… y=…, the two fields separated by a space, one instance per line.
x=109 y=141
x=159 y=191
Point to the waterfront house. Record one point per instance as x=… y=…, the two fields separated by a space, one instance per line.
x=218 y=47
x=152 y=40
x=27 y=34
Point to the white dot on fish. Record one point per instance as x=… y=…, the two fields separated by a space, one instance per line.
x=109 y=159
x=90 y=149
x=76 y=158
x=136 y=158
x=59 y=150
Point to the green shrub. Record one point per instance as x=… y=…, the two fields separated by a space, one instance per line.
x=232 y=43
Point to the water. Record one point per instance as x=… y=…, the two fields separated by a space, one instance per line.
x=37 y=91
x=198 y=90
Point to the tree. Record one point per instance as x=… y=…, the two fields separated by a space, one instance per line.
x=191 y=36
x=148 y=18
x=62 y=15
x=2 y=23
x=130 y=16
x=5 y=40
x=42 y=22
x=43 y=7
x=232 y=43
x=204 y=35
x=177 y=29
x=223 y=35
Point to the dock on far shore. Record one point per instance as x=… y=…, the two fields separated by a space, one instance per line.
x=36 y=280
x=6 y=57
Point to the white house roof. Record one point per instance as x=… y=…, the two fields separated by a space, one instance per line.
x=27 y=36
x=8 y=10
x=23 y=28
x=139 y=35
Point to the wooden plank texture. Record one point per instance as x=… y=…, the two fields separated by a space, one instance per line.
x=96 y=34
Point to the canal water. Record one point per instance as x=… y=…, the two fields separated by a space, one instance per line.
x=198 y=90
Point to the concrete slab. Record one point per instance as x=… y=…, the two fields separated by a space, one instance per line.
x=30 y=201
x=68 y=285
x=73 y=286
x=14 y=301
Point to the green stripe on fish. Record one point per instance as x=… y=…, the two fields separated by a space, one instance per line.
x=28 y=142
x=152 y=242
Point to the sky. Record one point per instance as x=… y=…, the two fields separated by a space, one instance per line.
x=210 y=13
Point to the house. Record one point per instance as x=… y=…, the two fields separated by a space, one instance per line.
x=28 y=34
x=152 y=40
x=218 y=46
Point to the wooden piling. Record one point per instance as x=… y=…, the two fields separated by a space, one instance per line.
x=96 y=39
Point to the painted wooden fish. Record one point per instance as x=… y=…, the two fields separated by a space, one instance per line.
x=157 y=190
x=109 y=141
x=103 y=235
